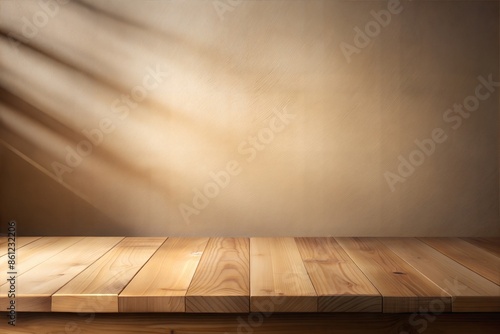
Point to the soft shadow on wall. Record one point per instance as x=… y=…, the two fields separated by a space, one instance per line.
x=250 y=118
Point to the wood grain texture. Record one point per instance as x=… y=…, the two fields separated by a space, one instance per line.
x=36 y=286
x=162 y=283
x=37 y=252
x=296 y=323
x=33 y=255
x=278 y=278
x=20 y=242
x=475 y=258
x=97 y=287
x=20 y=266
x=492 y=245
x=221 y=283
x=235 y=275
x=340 y=285
x=403 y=288
x=470 y=292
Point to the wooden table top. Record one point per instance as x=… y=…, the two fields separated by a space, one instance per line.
x=241 y=275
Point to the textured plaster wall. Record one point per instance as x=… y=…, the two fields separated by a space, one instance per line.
x=253 y=118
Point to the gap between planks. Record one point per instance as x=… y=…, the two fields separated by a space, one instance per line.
x=283 y=275
x=403 y=288
x=340 y=285
x=96 y=288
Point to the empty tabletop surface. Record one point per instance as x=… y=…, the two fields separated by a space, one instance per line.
x=241 y=275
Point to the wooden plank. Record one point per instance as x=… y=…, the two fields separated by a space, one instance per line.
x=20 y=242
x=36 y=252
x=97 y=287
x=492 y=245
x=36 y=286
x=278 y=278
x=402 y=287
x=470 y=292
x=477 y=259
x=278 y=323
x=340 y=285
x=221 y=283
x=162 y=284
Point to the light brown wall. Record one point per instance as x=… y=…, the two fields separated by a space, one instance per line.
x=227 y=75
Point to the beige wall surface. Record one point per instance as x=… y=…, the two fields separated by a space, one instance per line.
x=250 y=118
